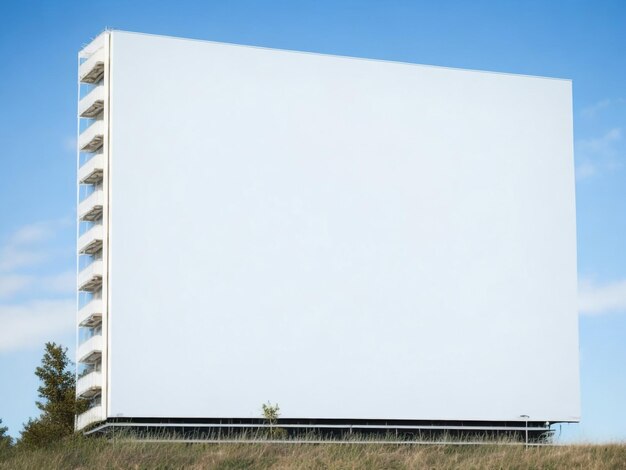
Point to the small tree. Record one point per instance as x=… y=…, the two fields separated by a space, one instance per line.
x=58 y=400
x=271 y=413
x=6 y=441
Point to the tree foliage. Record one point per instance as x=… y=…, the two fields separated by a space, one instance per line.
x=58 y=403
x=6 y=441
x=271 y=413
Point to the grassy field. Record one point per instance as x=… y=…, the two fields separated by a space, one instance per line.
x=100 y=454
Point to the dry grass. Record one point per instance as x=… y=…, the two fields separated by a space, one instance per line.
x=97 y=453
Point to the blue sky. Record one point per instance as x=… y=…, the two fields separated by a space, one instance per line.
x=580 y=40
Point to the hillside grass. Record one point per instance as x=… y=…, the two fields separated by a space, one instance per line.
x=84 y=453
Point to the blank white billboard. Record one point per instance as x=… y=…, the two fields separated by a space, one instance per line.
x=348 y=238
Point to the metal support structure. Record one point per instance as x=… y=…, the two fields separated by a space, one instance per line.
x=526 y=426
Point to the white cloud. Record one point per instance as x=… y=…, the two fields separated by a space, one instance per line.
x=591 y=111
x=63 y=283
x=31 y=324
x=585 y=170
x=23 y=248
x=602 y=144
x=31 y=245
x=13 y=257
x=69 y=143
x=11 y=284
x=601 y=299
x=32 y=233
x=595 y=109
x=598 y=154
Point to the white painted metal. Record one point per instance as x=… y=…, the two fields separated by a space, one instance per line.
x=91 y=138
x=90 y=277
x=91 y=207
x=91 y=416
x=90 y=350
x=89 y=385
x=91 y=172
x=91 y=314
x=91 y=241
x=92 y=69
x=349 y=238
x=93 y=103
x=425 y=427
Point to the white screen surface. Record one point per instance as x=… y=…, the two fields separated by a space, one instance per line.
x=348 y=238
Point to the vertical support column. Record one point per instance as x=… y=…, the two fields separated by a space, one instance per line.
x=106 y=224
